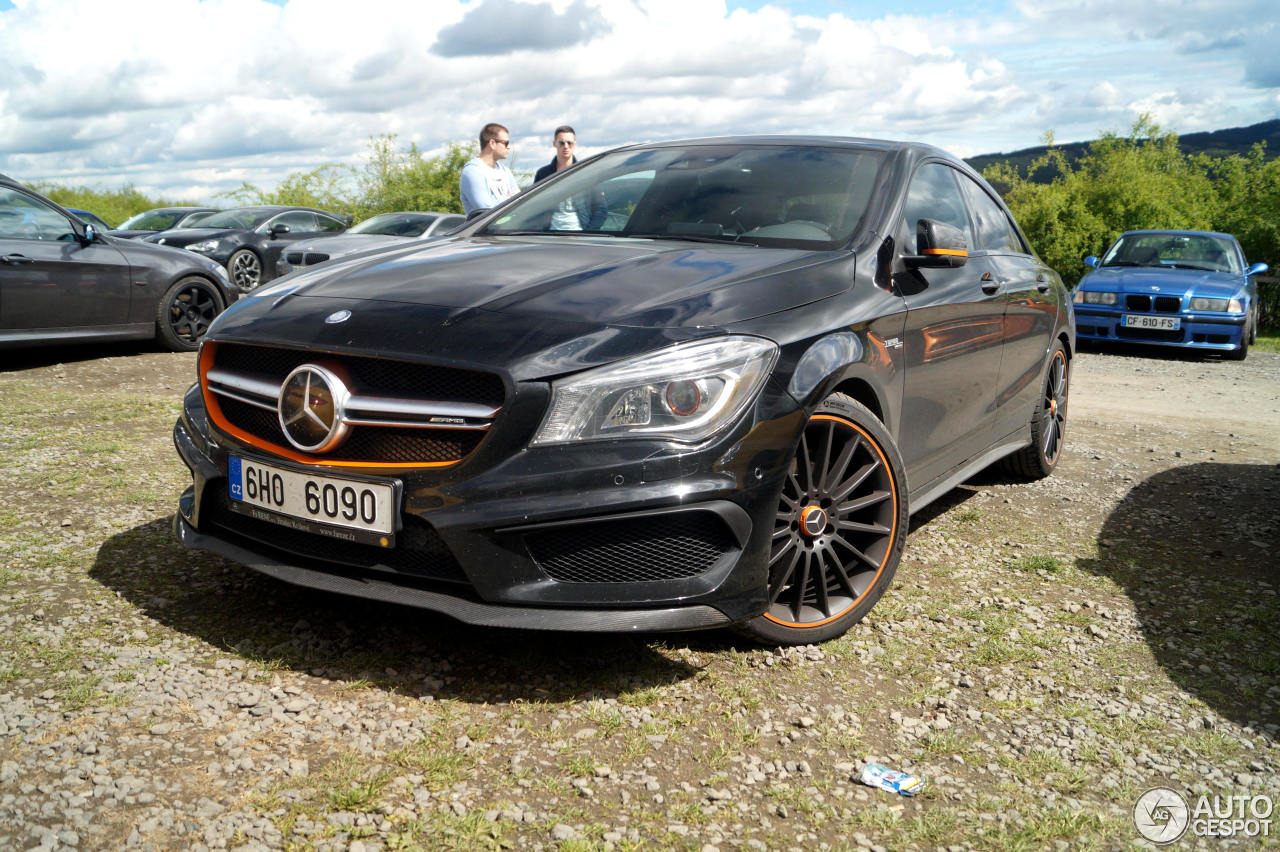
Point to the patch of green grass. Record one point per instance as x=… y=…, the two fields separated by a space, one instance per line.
x=967 y=516
x=439 y=764
x=79 y=693
x=1268 y=340
x=1040 y=562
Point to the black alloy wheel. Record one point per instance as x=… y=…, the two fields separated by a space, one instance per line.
x=839 y=529
x=185 y=312
x=1048 y=422
x=245 y=269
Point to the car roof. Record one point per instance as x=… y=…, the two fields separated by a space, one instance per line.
x=1178 y=233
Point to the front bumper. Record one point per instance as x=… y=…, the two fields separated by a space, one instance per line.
x=611 y=537
x=1196 y=331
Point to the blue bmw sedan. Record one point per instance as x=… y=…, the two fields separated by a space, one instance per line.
x=1171 y=288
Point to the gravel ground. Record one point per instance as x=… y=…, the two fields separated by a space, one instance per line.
x=1047 y=653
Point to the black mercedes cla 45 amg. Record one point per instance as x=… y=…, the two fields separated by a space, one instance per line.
x=682 y=385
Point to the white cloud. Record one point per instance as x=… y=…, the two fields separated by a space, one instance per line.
x=189 y=98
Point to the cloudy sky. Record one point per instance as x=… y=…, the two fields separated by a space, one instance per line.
x=186 y=98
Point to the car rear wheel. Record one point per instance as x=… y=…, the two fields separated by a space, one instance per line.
x=184 y=314
x=245 y=269
x=1048 y=422
x=839 y=529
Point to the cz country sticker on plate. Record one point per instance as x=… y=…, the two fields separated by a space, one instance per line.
x=349 y=509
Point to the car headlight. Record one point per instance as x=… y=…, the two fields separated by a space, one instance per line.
x=1092 y=297
x=203 y=246
x=686 y=392
x=1199 y=303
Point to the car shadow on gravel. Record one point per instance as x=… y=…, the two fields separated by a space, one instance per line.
x=1195 y=548
x=412 y=652
x=16 y=360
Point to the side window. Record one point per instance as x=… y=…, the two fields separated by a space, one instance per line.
x=299 y=222
x=995 y=231
x=329 y=225
x=24 y=218
x=934 y=194
x=448 y=223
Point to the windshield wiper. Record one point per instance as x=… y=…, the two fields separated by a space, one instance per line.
x=695 y=238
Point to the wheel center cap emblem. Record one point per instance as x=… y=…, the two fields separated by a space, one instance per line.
x=311 y=407
x=813 y=520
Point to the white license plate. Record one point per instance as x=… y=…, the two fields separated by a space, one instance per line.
x=331 y=500
x=1157 y=323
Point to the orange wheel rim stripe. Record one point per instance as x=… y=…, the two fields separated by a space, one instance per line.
x=220 y=420
x=893 y=527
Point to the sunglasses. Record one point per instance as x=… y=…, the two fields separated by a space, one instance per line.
x=506 y=142
x=568 y=142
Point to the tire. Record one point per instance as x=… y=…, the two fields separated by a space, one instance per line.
x=184 y=314
x=245 y=269
x=840 y=528
x=1048 y=422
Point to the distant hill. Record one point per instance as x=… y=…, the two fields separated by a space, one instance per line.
x=1219 y=143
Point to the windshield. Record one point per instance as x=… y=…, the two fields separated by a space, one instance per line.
x=395 y=224
x=795 y=196
x=151 y=220
x=243 y=218
x=1181 y=251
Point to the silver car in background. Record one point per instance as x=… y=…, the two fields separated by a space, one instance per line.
x=383 y=229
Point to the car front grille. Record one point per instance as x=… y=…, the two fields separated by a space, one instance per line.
x=633 y=550
x=419 y=550
x=1157 y=304
x=416 y=413
x=305 y=258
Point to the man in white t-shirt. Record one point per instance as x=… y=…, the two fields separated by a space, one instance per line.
x=486 y=181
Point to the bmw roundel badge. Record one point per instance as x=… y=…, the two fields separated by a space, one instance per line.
x=338 y=316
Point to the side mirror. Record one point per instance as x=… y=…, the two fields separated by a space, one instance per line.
x=1257 y=269
x=278 y=229
x=940 y=245
x=1092 y=262
x=477 y=213
x=90 y=234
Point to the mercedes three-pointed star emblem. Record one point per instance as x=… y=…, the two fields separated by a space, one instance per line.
x=310 y=408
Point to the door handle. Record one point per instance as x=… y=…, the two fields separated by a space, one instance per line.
x=1041 y=284
x=988 y=283
x=16 y=259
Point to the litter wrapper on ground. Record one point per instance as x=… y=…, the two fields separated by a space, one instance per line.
x=876 y=775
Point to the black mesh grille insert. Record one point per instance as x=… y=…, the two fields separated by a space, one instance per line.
x=635 y=550
x=1168 y=304
x=374 y=376
x=1149 y=334
x=419 y=550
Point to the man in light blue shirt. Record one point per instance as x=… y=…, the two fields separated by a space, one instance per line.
x=486 y=181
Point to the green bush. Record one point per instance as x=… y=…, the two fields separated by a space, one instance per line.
x=1143 y=180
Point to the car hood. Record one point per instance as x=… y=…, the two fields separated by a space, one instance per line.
x=347 y=243
x=1168 y=282
x=186 y=236
x=537 y=306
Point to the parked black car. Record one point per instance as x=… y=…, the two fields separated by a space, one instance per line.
x=717 y=409
x=63 y=281
x=248 y=240
x=161 y=219
x=380 y=230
